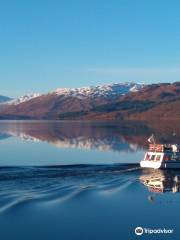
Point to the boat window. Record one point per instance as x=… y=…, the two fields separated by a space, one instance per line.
x=147 y=156
x=158 y=157
x=153 y=157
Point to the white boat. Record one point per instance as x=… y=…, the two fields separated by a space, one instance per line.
x=162 y=156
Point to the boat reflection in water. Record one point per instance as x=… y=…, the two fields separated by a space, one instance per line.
x=161 y=181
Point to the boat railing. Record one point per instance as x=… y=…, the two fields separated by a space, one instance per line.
x=164 y=148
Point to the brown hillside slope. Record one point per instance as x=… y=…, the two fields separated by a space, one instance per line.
x=155 y=101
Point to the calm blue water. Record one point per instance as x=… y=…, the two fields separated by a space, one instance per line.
x=66 y=180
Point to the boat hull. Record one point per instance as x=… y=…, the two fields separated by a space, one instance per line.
x=162 y=165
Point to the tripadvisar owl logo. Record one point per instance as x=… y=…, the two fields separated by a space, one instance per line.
x=139 y=231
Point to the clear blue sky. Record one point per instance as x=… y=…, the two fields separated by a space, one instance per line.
x=46 y=44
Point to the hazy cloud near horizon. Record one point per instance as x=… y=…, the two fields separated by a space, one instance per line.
x=148 y=75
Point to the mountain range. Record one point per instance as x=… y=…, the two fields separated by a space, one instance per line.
x=119 y=101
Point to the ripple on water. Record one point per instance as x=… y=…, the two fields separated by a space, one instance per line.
x=58 y=184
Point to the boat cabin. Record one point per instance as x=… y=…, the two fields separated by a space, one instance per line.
x=162 y=152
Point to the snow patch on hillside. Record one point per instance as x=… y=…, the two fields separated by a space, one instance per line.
x=106 y=91
x=22 y=99
x=110 y=91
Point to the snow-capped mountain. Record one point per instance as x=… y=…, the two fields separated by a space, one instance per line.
x=120 y=101
x=106 y=91
x=22 y=99
x=64 y=101
x=110 y=91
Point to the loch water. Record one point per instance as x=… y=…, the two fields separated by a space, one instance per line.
x=82 y=180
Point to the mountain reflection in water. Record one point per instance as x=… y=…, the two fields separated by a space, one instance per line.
x=104 y=136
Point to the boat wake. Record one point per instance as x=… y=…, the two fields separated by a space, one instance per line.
x=59 y=184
